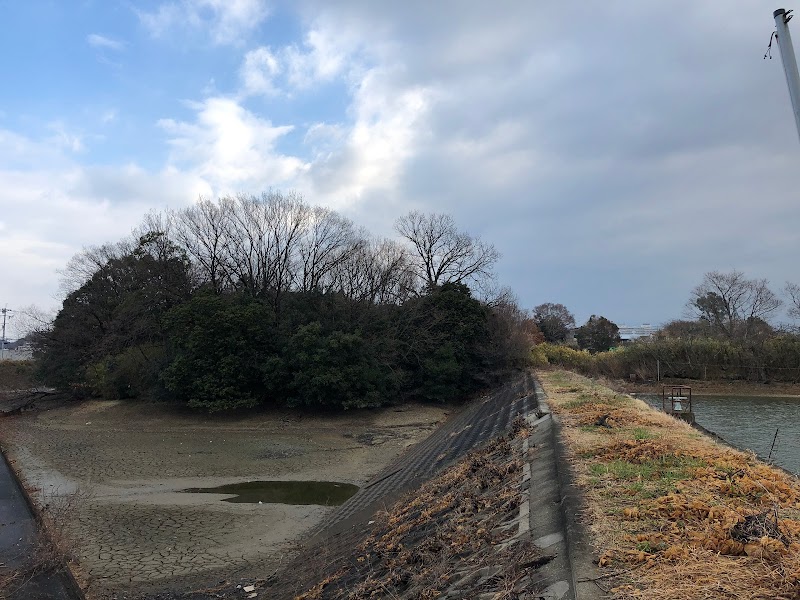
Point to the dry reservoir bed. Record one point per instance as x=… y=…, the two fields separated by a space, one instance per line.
x=116 y=472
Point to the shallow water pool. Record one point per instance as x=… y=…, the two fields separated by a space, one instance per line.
x=325 y=493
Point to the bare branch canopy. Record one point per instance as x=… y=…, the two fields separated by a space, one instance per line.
x=444 y=254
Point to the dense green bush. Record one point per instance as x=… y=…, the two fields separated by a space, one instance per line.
x=223 y=353
x=335 y=370
x=219 y=352
x=107 y=339
x=447 y=328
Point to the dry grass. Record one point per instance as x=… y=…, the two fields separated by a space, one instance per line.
x=55 y=547
x=449 y=535
x=673 y=514
x=16 y=375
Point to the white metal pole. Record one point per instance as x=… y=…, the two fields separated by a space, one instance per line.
x=3 y=340
x=789 y=62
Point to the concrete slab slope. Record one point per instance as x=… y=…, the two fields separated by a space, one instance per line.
x=484 y=419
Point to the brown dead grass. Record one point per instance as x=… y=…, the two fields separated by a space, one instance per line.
x=55 y=548
x=673 y=514
x=16 y=375
x=447 y=536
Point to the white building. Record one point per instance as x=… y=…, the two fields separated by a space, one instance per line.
x=19 y=350
x=630 y=334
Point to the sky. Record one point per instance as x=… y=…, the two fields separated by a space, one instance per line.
x=612 y=152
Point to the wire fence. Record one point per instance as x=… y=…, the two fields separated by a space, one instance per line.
x=711 y=370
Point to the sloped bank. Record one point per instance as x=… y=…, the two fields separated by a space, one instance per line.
x=458 y=536
x=488 y=526
x=673 y=514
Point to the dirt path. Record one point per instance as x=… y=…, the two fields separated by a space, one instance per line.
x=116 y=471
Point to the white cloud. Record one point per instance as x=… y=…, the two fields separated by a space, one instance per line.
x=559 y=140
x=65 y=139
x=100 y=41
x=18 y=152
x=231 y=149
x=388 y=124
x=367 y=150
x=323 y=56
x=53 y=206
x=226 y=21
x=258 y=72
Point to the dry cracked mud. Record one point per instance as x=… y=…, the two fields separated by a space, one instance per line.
x=115 y=472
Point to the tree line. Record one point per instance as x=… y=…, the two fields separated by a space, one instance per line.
x=555 y=324
x=728 y=333
x=267 y=300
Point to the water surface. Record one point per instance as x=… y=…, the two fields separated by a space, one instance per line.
x=325 y=493
x=750 y=422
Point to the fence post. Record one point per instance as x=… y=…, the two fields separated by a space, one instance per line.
x=773 y=444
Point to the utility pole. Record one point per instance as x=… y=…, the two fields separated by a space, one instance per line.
x=6 y=313
x=782 y=18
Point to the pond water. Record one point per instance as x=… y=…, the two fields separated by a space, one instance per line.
x=750 y=422
x=325 y=493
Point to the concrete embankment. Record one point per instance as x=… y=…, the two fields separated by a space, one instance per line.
x=28 y=569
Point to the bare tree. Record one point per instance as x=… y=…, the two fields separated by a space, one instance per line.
x=377 y=272
x=733 y=305
x=33 y=319
x=158 y=228
x=554 y=321
x=83 y=265
x=328 y=240
x=203 y=231
x=444 y=254
x=793 y=291
x=509 y=334
x=286 y=218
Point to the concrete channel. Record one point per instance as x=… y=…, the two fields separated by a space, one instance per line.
x=20 y=540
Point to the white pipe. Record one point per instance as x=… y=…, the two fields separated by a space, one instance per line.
x=789 y=62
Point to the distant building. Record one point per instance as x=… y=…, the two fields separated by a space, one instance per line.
x=16 y=350
x=631 y=334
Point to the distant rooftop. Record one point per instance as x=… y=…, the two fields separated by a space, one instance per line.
x=635 y=332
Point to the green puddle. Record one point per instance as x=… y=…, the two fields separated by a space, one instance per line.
x=326 y=493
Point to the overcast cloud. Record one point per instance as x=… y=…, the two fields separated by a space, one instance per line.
x=613 y=152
